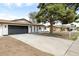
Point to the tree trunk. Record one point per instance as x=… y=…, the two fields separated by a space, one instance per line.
x=51 y=26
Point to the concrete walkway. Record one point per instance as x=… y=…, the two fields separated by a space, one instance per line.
x=74 y=49
x=55 y=46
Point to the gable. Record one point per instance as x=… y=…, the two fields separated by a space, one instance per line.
x=21 y=21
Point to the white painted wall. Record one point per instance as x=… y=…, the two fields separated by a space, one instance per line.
x=0 y=29
x=29 y=28
x=47 y=28
x=42 y=28
x=5 y=29
x=39 y=29
x=35 y=28
x=32 y=29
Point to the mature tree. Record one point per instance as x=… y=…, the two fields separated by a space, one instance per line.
x=32 y=16
x=50 y=12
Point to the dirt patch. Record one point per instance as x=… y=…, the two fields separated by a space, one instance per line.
x=12 y=47
x=58 y=34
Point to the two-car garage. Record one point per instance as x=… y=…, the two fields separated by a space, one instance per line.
x=12 y=29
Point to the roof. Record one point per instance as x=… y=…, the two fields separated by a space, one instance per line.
x=18 y=22
x=22 y=20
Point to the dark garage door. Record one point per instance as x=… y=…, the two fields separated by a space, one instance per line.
x=17 y=29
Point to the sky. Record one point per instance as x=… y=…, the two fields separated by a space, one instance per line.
x=11 y=11
x=16 y=11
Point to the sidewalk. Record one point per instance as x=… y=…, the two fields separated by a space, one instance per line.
x=74 y=49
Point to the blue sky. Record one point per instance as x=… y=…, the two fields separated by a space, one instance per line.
x=17 y=10
x=13 y=11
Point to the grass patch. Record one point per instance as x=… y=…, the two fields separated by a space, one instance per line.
x=58 y=34
x=74 y=36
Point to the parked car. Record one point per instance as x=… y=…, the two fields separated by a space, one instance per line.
x=74 y=25
x=71 y=27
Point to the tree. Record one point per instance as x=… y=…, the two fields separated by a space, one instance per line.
x=73 y=6
x=32 y=16
x=69 y=17
x=50 y=12
x=71 y=14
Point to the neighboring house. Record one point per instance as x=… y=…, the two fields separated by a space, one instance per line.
x=19 y=26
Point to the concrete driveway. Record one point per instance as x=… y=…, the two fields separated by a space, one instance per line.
x=55 y=46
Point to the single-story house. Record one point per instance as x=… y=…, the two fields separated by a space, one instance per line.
x=19 y=26
x=56 y=26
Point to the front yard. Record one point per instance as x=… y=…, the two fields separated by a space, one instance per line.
x=62 y=34
x=70 y=35
x=12 y=47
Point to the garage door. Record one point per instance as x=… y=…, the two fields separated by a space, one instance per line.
x=17 y=29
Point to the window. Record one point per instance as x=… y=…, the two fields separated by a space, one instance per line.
x=45 y=28
x=39 y=27
x=5 y=26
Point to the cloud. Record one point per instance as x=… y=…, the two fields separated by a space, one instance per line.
x=39 y=1
x=18 y=4
x=29 y=4
x=26 y=4
x=19 y=1
x=7 y=16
